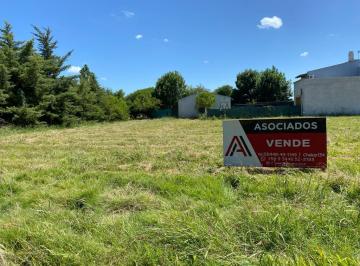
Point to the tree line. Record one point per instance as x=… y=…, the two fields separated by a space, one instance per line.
x=252 y=87
x=34 y=89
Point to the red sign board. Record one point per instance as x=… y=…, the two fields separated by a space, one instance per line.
x=295 y=142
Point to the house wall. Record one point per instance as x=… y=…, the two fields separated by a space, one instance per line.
x=222 y=102
x=187 y=106
x=329 y=96
x=297 y=88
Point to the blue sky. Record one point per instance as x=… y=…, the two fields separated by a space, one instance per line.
x=129 y=44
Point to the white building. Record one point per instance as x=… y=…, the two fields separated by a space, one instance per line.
x=333 y=90
x=187 y=106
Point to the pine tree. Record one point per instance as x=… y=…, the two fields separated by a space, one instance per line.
x=8 y=46
x=26 y=52
x=54 y=65
x=4 y=85
x=30 y=76
x=9 y=58
x=90 y=94
x=33 y=89
x=47 y=44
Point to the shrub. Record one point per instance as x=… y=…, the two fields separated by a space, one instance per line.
x=114 y=108
x=24 y=116
x=225 y=90
x=142 y=102
x=205 y=100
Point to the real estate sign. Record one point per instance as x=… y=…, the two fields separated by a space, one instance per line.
x=295 y=142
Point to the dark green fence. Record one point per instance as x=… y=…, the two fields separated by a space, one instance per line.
x=163 y=113
x=250 y=111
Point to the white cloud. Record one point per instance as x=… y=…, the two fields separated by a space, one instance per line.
x=267 y=23
x=206 y=62
x=103 y=78
x=331 y=35
x=166 y=40
x=127 y=13
x=138 y=37
x=304 y=54
x=124 y=14
x=74 y=70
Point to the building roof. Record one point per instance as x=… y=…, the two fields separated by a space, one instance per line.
x=347 y=69
x=305 y=75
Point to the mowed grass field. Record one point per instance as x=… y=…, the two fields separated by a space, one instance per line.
x=156 y=193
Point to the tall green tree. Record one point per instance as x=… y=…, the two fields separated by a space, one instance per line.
x=90 y=94
x=7 y=36
x=9 y=57
x=30 y=74
x=26 y=52
x=170 y=88
x=4 y=85
x=273 y=86
x=142 y=102
x=120 y=94
x=246 y=84
x=47 y=46
x=225 y=90
x=97 y=103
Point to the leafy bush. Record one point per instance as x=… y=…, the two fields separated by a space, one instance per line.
x=142 y=102
x=115 y=108
x=225 y=90
x=24 y=116
x=205 y=100
x=195 y=90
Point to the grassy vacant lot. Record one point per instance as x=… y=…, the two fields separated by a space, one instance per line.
x=155 y=192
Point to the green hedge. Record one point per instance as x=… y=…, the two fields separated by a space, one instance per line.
x=163 y=113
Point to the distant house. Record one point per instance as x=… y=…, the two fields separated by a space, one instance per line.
x=187 y=106
x=330 y=90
